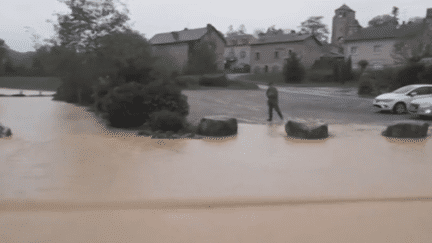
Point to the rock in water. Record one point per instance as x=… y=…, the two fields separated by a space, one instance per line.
x=5 y=131
x=217 y=128
x=305 y=130
x=407 y=129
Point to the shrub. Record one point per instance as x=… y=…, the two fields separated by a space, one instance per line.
x=294 y=71
x=337 y=75
x=219 y=80
x=367 y=86
x=166 y=121
x=202 y=58
x=319 y=75
x=347 y=72
x=131 y=104
x=426 y=75
x=409 y=75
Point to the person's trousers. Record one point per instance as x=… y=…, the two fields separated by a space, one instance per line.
x=274 y=105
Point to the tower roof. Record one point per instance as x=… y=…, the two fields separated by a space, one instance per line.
x=345 y=7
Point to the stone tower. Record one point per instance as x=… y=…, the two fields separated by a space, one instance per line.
x=344 y=24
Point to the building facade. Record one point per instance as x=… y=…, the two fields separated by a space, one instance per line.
x=374 y=44
x=269 y=53
x=175 y=47
x=238 y=50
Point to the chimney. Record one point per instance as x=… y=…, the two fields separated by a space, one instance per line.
x=403 y=23
x=292 y=31
x=186 y=29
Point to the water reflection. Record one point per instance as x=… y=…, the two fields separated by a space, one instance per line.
x=63 y=152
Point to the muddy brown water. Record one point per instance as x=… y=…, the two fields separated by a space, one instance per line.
x=63 y=172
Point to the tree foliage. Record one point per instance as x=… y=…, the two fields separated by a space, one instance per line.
x=314 y=26
x=202 y=59
x=386 y=19
x=294 y=71
x=3 y=55
x=413 y=48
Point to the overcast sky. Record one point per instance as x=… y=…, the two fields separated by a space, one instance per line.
x=170 y=15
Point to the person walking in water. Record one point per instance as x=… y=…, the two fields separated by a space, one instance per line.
x=272 y=95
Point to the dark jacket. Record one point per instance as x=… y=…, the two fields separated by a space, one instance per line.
x=272 y=94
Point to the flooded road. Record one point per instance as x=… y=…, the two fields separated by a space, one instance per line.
x=63 y=167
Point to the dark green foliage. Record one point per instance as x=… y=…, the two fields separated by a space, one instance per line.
x=426 y=75
x=216 y=80
x=347 y=72
x=409 y=75
x=294 y=71
x=131 y=104
x=337 y=75
x=367 y=86
x=363 y=64
x=166 y=121
x=320 y=75
x=202 y=59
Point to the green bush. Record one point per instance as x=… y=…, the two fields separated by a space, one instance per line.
x=166 y=121
x=215 y=80
x=367 y=86
x=294 y=71
x=409 y=75
x=131 y=104
x=319 y=75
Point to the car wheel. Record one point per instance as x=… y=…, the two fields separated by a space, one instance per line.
x=399 y=108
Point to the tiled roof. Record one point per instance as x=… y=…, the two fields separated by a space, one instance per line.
x=178 y=36
x=281 y=38
x=384 y=32
x=345 y=7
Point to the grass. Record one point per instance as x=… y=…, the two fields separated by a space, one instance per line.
x=30 y=83
x=193 y=84
x=277 y=78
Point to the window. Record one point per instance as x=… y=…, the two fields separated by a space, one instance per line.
x=421 y=91
x=257 y=56
x=377 y=48
x=354 y=50
x=242 y=54
x=276 y=55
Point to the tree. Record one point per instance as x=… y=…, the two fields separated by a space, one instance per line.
x=415 y=20
x=363 y=64
x=80 y=30
x=386 y=19
x=241 y=30
x=413 y=48
x=77 y=40
x=294 y=71
x=230 y=31
x=3 y=55
x=314 y=26
x=202 y=59
x=395 y=13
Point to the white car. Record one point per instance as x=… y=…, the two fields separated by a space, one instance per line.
x=421 y=107
x=398 y=100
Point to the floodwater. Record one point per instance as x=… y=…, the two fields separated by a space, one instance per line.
x=63 y=172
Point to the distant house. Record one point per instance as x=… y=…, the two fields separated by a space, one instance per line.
x=269 y=53
x=376 y=44
x=238 y=50
x=177 y=46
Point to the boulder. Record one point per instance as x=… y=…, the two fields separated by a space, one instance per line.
x=217 y=128
x=306 y=130
x=407 y=129
x=5 y=131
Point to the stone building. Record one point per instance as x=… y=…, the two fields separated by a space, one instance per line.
x=176 y=47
